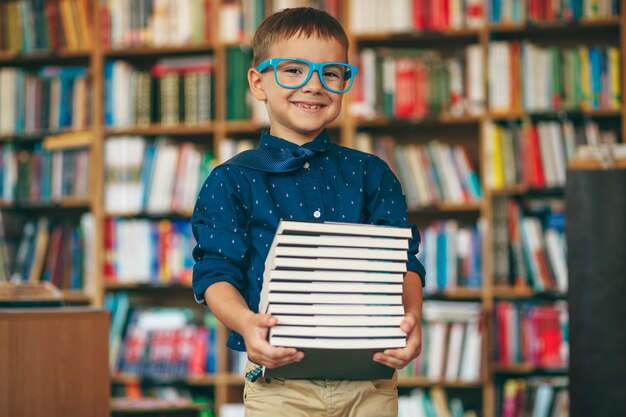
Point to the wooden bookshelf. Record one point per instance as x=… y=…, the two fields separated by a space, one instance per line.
x=468 y=130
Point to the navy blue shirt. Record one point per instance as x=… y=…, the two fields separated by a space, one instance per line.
x=239 y=208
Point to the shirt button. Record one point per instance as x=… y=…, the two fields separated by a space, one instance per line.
x=317 y=214
x=306 y=165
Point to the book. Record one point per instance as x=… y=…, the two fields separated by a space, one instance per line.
x=339 y=304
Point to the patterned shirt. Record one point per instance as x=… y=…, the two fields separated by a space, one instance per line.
x=239 y=208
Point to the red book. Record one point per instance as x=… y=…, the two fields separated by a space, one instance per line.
x=199 y=352
x=50 y=8
x=419 y=15
x=405 y=95
x=110 y=225
x=504 y=355
x=534 y=152
x=420 y=89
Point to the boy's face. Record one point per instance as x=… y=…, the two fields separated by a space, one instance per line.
x=299 y=115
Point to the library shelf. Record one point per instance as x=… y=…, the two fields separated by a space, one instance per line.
x=64 y=203
x=152 y=286
x=438 y=120
x=378 y=37
x=459 y=293
x=405 y=382
x=611 y=23
x=141 y=52
x=42 y=57
x=526 y=369
x=158 y=129
x=554 y=114
x=465 y=129
x=74 y=297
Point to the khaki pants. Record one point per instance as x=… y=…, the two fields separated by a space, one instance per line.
x=277 y=397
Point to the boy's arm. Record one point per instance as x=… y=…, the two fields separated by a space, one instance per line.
x=411 y=324
x=230 y=308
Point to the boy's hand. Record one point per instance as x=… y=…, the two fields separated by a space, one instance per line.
x=258 y=348
x=399 y=358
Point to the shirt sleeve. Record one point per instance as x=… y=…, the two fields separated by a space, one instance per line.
x=219 y=226
x=386 y=205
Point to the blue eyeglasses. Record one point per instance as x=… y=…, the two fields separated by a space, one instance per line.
x=336 y=77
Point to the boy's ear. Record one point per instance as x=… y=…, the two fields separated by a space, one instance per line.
x=256 y=84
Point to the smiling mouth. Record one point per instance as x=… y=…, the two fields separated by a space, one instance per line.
x=308 y=106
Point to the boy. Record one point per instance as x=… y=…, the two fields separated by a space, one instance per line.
x=296 y=173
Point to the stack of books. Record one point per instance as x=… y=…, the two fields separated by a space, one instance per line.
x=336 y=290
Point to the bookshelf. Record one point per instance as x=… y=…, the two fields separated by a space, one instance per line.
x=213 y=35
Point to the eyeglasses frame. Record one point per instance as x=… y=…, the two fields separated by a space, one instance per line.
x=315 y=67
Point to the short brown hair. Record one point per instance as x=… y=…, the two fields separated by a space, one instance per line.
x=305 y=21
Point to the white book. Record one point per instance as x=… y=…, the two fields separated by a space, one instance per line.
x=338 y=320
x=340 y=343
x=357 y=229
x=338 y=240
x=342 y=264
x=334 y=309
x=455 y=348
x=436 y=350
x=336 y=331
x=470 y=360
x=335 y=287
x=327 y=298
x=333 y=275
x=339 y=252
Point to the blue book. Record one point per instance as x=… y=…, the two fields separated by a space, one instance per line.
x=442 y=264
x=108 y=93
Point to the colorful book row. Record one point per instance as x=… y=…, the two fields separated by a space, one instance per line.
x=452 y=255
x=451 y=343
x=158 y=176
x=533 y=334
x=416 y=83
x=47 y=100
x=375 y=16
x=430 y=174
x=529 y=245
x=534 y=78
x=524 y=11
x=30 y=26
x=174 y=91
x=536 y=154
x=140 y=251
x=50 y=250
x=156 y=23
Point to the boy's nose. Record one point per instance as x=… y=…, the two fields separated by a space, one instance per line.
x=314 y=83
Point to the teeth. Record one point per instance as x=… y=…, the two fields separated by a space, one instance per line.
x=309 y=106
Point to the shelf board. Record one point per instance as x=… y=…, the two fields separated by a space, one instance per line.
x=551 y=26
x=156 y=286
x=525 y=369
x=416 y=381
x=504 y=292
x=515 y=190
x=18 y=58
x=6 y=204
x=385 y=122
x=150 y=406
x=564 y=113
x=66 y=202
x=156 y=129
x=456 y=293
x=374 y=37
x=243 y=126
x=75 y=297
x=447 y=208
x=158 y=51
x=144 y=215
x=36 y=136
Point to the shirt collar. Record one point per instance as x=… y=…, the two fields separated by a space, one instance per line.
x=320 y=144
